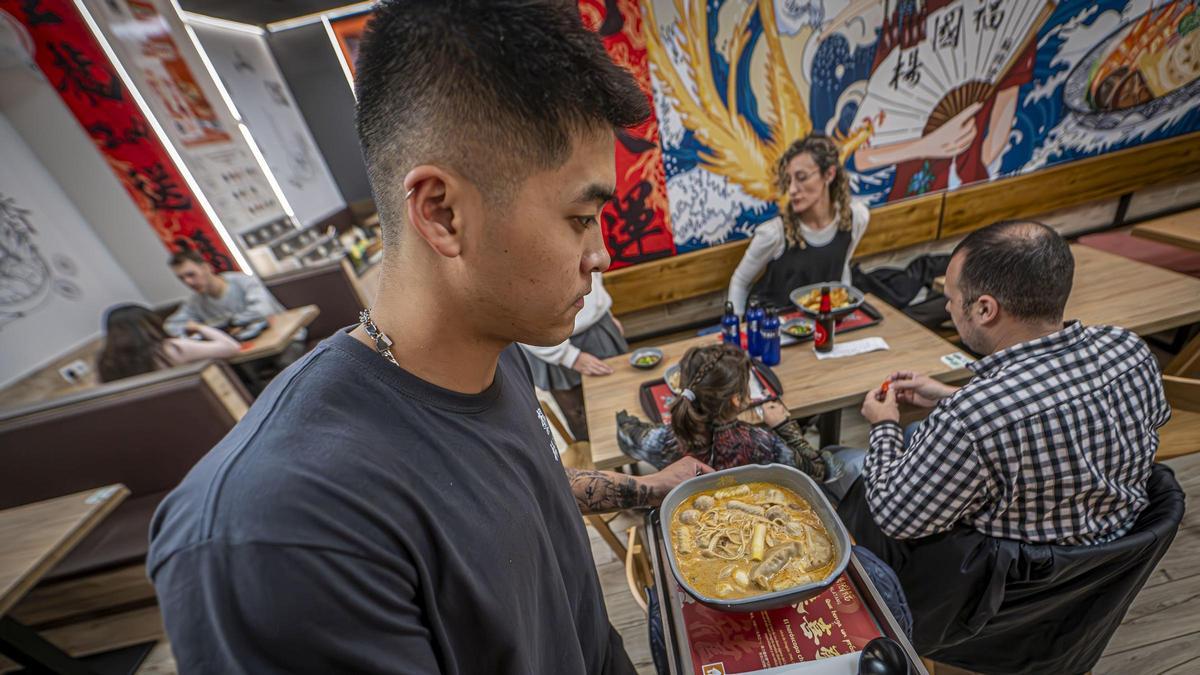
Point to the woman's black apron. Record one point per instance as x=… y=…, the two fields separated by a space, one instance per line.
x=800 y=267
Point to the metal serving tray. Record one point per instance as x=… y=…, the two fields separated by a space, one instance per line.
x=784 y=476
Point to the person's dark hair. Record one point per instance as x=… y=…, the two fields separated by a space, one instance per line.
x=493 y=89
x=715 y=374
x=824 y=153
x=1025 y=265
x=186 y=255
x=133 y=338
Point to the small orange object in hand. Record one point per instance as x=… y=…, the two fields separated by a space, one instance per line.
x=883 y=390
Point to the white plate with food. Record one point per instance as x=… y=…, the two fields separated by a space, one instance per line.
x=845 y=299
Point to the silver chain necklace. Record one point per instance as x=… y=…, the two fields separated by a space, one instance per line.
x=383 y=344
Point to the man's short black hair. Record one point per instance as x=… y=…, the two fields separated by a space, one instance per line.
x=493 y=89
x=186 y=255
x=1027 y=266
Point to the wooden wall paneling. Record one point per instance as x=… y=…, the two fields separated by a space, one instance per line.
x=671 y=279
x=902 y=223
x=969 y=208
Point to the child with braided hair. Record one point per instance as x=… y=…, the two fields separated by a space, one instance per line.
x=705 y=425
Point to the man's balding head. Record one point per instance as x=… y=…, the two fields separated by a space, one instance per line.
x=1026 y=266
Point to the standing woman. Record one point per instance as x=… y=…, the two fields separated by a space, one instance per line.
x=135 y=342
x=815 y=237
x=597 y=336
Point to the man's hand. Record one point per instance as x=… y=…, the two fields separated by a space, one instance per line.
x=678 y=471
x=880 y=406
x=774 y=413
x=953 y=137
x=590 y=365
x=919 y=390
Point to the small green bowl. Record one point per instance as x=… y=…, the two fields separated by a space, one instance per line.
x=646 y=358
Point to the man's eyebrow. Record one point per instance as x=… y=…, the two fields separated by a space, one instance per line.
x=595 y=194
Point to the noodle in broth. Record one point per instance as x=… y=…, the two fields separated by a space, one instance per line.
x=750 y=539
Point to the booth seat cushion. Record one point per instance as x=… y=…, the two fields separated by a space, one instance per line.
x=1144 y=250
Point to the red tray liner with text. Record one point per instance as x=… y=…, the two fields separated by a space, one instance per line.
x=864 y=316
x=834 y=623
x=860 y=318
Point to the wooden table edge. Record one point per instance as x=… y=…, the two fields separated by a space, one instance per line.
x=81 y=529
x=1153 y=234
x=306 y=313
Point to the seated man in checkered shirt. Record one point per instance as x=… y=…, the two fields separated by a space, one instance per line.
x=1052 y=442
x=1053 y=439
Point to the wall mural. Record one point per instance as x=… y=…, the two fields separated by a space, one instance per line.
x=28 y=278
x=922 y=95
x=63 y=48
x=636 y=227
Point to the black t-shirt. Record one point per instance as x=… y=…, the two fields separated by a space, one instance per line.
x=359 y=519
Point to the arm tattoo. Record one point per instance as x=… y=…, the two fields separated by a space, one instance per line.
x=603 y=491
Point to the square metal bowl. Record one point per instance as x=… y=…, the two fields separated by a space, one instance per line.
x=784 y=476
x=857 y=298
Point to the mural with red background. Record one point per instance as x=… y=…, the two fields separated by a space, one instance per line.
x=75 y=65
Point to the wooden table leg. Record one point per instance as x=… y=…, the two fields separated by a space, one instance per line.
x=26 y=647
x=830 y=426
x=39 y=656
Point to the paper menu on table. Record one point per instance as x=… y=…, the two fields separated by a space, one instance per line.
x=854 y=348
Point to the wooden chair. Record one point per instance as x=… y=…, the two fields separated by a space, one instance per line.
x=1181 y=435
x=578 y=455
x=638 y=573
x=1187 y=361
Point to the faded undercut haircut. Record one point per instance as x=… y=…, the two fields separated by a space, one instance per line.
x=495 y=90
x=1025 y=265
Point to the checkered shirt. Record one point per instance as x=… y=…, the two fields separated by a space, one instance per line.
x=1051 y=442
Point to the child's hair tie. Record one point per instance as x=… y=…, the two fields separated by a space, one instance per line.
x=689 y=395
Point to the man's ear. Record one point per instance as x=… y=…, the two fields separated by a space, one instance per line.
x=986 y=310
x=432 y=194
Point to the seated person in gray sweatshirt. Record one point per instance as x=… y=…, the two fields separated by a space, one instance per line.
x=220 y=299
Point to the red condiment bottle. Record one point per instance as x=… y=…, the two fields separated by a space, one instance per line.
x=823 y=331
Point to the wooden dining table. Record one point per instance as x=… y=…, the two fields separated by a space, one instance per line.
x=1112 y=290
x=810 y=386
x=281 y=330
x=33 y=539
x=1180 y=229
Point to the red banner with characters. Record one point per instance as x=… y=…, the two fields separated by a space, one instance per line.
x=636 y=226
x=77 y=67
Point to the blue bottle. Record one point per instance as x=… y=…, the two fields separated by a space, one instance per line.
x=731 y=329
x=768 y=335
x=754 y=317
